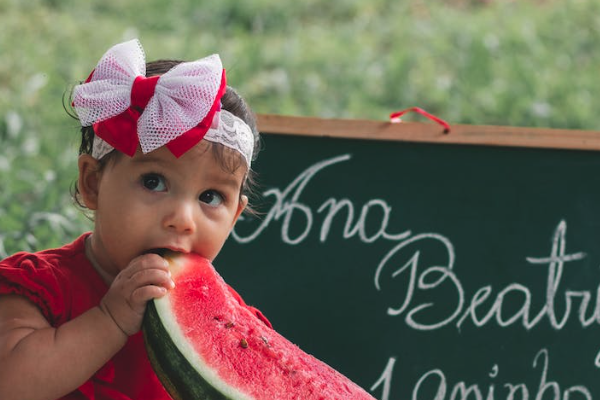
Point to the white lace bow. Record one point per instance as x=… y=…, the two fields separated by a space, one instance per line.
x=182 y=99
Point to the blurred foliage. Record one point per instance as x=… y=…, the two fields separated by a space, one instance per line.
x=519 y=63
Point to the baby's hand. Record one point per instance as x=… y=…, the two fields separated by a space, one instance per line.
x=145 y=278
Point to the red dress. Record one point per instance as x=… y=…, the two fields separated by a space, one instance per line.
x=64 y=284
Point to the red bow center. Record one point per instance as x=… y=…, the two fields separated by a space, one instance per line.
x=142 y=91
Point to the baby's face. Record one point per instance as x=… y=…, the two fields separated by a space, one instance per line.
x=156 y=201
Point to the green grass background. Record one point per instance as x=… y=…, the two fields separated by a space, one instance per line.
x=519 y=63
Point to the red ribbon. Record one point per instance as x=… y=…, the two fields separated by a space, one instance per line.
x=120 y=131
x=395 y=117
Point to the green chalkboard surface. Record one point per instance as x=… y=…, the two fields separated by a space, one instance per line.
x=424 y=268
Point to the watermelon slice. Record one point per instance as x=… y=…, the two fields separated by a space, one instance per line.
x=204 y=343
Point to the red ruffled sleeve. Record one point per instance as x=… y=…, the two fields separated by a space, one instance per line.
x=63 y=284
x=34 y=277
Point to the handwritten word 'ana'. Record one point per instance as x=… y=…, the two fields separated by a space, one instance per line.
x=293 y=213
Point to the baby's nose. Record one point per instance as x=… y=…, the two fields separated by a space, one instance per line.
x=181 y=218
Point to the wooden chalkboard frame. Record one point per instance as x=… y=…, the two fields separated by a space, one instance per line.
x=358 y=217
x=484 y=135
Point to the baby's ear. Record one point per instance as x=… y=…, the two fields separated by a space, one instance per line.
x=89 y=180
x=241 y=206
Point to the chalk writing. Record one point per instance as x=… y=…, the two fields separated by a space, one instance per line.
x=288 y=208
x=546 y=388
x=483 y=307
x=425 y=288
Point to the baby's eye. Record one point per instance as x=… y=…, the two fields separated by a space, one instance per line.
x=211 y=197
x=154 y=182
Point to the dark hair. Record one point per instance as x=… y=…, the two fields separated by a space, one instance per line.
x=230 y=161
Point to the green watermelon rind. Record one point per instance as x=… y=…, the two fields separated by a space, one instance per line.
x=185 y=373
x=184 y=378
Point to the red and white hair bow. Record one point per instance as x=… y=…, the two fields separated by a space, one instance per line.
x=127 y=109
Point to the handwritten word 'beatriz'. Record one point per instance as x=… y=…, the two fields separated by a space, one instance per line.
x=483 y=306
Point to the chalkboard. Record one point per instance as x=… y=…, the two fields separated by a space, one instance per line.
x=426 y=265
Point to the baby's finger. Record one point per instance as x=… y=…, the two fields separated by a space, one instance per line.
x=147 y=261
x=143 y=263
x=142 y=294
x=153 y=276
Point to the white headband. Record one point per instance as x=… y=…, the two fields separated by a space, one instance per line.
x=231 y=132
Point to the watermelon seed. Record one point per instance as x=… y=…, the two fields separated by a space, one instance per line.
x=264 y=339
x=229 y=325
x=244 y=343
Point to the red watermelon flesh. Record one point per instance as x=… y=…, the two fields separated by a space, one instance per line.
x=233 y=350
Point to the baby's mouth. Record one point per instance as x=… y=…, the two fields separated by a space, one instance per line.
x=160 y=251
